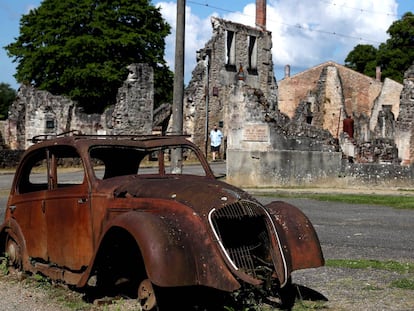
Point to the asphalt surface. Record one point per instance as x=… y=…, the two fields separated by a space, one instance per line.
x=345 y=231
x=350 y=231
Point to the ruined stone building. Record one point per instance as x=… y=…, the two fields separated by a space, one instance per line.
x=286 y=133
x=235 y=52
x=405 y=119
x=36 y=112
x=291 y=131
x=327 y=94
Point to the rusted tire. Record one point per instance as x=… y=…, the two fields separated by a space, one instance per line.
x=146 y=296
x=13 y=252
x=287 y=295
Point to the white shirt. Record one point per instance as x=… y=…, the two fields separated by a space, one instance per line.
x=216 y=137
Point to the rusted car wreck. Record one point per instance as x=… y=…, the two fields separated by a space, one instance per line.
x=128 y=216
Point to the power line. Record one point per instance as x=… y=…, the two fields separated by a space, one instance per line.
x=211 y=6
x=333 y=33
x=310 y=29
x=333 y=3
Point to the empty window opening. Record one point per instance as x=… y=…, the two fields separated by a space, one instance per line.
x=252 y=44
x=230 y=48
x=50 y=124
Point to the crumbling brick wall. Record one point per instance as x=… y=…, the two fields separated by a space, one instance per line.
x=339 y=89
x=327 y=94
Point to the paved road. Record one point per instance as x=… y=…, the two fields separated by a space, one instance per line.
x=360 y=231
x=345 y=230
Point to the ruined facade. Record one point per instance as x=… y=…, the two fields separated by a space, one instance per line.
x=36 y=112
x=233 y=85
x=133 y=112
x=292 y=132
x=327 y=94
x=405 y=119
x=285 y=133
x=235 y=53
x=268 y=148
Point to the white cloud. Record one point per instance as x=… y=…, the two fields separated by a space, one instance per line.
x=197 y=33
x=305 y=33
x=309 y=33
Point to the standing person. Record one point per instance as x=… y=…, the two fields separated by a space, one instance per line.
x=215 y=141
x=348 y=126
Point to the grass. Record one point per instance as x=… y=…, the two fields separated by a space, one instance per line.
x=403 y=283
x=72 y=300
x=388 y=265
x=395 y=201
x=302 y=305
x=4 y=265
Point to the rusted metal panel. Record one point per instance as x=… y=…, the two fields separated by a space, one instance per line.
x=299 y=236
x=180 y=252
x=184 y=229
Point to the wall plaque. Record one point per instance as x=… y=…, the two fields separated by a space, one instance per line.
x=256 y=132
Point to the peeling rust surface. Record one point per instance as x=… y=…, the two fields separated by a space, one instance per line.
x=124 y=211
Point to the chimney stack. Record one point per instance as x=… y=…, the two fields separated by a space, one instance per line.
x=261 y=14
x=287 y=71
x=378 y=73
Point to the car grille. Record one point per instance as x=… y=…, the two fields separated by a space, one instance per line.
x=242 y=232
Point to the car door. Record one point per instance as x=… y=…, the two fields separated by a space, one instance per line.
x=27 y=204
x=67 y=210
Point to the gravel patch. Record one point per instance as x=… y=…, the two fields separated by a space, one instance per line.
x=346 y=289
x=358 y=289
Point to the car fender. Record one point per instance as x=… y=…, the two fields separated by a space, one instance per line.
x=171 y=255
x=300 y=242
x=12 y=228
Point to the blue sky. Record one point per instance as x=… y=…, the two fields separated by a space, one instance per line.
x=305 y=32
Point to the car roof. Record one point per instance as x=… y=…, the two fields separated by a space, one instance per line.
x=82 y=141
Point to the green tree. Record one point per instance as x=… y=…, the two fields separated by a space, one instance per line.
x=7 y=96
x=397 y=53
x=394 y=56
x=81 y=48
x=362 y=59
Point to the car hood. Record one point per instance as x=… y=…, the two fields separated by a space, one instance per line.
x=197 y=192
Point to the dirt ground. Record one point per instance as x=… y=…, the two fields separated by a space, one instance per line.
x=358 y=289
x=345 y=289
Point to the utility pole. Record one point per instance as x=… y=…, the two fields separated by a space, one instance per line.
x=178 y=92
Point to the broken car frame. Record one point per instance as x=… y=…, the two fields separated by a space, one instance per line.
x=123 y=219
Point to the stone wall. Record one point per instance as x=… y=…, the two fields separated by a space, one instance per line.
x=10 y=158
x=326 y=95
x=267 y=148
x=36 y=112
x=405 y=121
x=335 y=92
x=133 y=112
x=374 y=174
x=282 y=167
x=235 y=52
x=303 y=117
